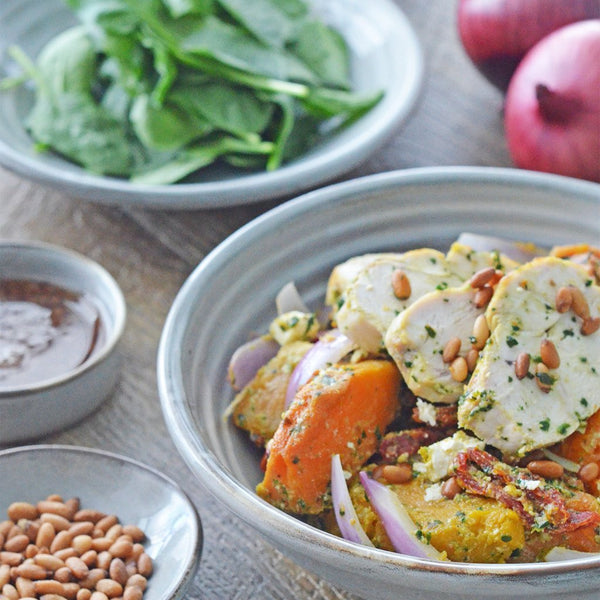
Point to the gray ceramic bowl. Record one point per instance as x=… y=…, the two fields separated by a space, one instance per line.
x=231 y=294
x=385 y=55
x=28 y=411
x=116 y=485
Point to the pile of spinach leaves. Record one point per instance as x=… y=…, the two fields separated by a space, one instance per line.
x=153 y=90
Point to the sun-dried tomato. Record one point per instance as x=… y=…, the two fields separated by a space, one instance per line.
x=407 y=442
x=539 y=505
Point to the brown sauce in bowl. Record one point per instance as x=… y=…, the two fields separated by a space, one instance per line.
x=45 y=331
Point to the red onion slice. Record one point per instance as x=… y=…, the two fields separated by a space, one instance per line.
x=288 y=299
x=345 y=515
x=248 y=359
x=331 y=348
x=562 y=553
x=396 y=520
x=518 y=251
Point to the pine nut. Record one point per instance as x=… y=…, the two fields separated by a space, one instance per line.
x=61 y=541
x=55 y=508
x=522 y=365
x=458 y=369
x=94 y=576
x=59 y=523
x=11 y=558
x=31 y=571
x=90 y=558
x=110 y=587
x=472 y=357
x=101 y=544
x=79 y=569
x=481 y=332
x=25 y=587
x=4 y=575
x=81 y=528
x=137 y=580
x=45 y=536
x=451 y=349
x=118 y=572
x=450 y=488
x=590 y=325
x=133 y=593
x=122 y=548
x=549 y=354
x=48 y=561
x=548 y=469
x=483 y=296
x=104 y=560
x=98 y=596
x=145 y=566
x=10 y=591
x=105 y=523
x=83 y=594
x=65 y=553
x=564 y=299
x=482 y=277
x=589 y=472
x=542 y=378
x=49 y=586
x=401 y=285
x=22 y=510
x=63 y=574
x=70 y=590
x=82 y=543
x=580 y=305
x=87 y=514
x=18 y=543
x=391 y=473
x=137 y=535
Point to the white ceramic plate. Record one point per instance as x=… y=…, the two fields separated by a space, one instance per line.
x=230 y=295
x=137 y=494
x=385 y=55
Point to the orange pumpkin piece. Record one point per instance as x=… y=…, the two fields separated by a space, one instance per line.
x=344 y=409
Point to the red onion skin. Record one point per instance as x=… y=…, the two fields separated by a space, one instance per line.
x=552 y=107
x=496 y=34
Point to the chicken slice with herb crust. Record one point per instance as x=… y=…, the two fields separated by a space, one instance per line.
x=518 y=409
x=370 y=303
x=417 y=337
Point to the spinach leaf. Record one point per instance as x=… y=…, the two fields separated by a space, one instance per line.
x=164 y=127
x=235 y=48
x=324 y=51
x=227 y=107
x=272 y=22
x=196 y=157
x=83 y=132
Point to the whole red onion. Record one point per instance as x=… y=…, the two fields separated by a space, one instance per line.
x=552 y=107
x=496 y=34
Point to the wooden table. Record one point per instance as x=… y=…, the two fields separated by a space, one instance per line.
x=458 y=121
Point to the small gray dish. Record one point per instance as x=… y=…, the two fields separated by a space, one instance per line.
x=29 y=411
x=137 y=494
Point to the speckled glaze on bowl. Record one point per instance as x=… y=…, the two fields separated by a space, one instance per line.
x=231 y=294
x=30 y=411
x=136 y=493
x=385 y=55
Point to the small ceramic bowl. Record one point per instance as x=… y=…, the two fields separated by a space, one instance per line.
x=231 y=295
x=116 y=485
x=30 y=409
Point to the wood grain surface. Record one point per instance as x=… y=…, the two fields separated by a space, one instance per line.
x=458 y=121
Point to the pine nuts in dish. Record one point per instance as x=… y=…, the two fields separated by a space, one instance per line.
x=47 y=550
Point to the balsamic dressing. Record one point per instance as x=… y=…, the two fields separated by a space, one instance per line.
x=45 y=331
